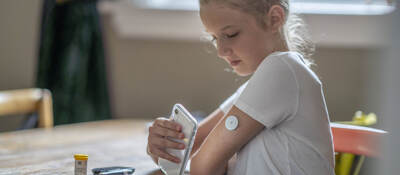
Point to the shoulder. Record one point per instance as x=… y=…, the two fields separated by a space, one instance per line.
x=281 y=61
x=302 y=72
x=277 y=68
x=289 y=64
x=272 y=93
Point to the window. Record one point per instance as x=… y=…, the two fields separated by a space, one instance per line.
x=335 y=7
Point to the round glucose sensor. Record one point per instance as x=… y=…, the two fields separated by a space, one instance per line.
x=231 y=123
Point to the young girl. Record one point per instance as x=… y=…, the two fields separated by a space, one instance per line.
x=283 y=125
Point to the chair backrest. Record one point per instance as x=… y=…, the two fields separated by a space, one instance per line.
x=24 y=101
x=358 y=140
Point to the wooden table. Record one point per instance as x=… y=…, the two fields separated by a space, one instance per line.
x=50 y=151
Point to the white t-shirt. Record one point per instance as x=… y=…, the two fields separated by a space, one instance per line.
x=287 y=98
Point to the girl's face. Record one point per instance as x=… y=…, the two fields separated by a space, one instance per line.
x=239 y=38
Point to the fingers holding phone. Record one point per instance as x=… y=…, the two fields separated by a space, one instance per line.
x=159 y=139
x=189 y=127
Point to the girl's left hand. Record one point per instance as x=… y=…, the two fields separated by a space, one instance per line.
x=158 y=141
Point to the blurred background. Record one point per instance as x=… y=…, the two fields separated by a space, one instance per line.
x=136 y=58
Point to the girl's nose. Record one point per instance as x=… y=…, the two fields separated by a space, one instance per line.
x=223 y=51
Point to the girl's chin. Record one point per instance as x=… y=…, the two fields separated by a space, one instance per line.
x=242 y=73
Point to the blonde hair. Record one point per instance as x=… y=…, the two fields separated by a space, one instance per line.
x=294 y=31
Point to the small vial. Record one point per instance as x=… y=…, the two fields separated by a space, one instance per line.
x=81 y=164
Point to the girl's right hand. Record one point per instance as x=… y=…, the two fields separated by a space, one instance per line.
x=158 y=141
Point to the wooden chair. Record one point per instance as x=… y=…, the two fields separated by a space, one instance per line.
x=358 y=140
x=25 y=101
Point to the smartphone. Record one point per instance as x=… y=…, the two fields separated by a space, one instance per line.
x=115 y=170
x=189 y=128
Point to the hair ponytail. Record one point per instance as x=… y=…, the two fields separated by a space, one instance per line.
x=298 y=38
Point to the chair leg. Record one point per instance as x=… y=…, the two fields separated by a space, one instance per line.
x=345 y=163
x=46 y=110
x=358 y=166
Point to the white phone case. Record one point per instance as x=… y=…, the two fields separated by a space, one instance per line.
x=189 y=128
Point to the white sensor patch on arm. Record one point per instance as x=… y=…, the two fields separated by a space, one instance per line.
x=231 y=123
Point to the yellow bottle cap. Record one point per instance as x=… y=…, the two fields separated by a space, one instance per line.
x=81 y=157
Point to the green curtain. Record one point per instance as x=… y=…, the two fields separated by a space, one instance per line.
x=71 y=61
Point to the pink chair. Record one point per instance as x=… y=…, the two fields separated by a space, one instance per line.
x=357 y=140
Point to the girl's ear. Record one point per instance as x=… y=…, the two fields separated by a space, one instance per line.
x=275 y=18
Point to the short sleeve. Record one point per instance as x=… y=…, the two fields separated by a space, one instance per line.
x=228 y=103
x=271 y=95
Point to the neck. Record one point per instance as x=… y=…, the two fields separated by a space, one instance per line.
x=281 y=46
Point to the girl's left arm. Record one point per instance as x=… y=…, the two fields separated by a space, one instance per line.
x=221 y=144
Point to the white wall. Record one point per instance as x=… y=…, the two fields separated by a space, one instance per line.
x=19 y=33
x=391 y=99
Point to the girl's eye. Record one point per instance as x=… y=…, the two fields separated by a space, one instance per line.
x=214 y=38
x=233 y=35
